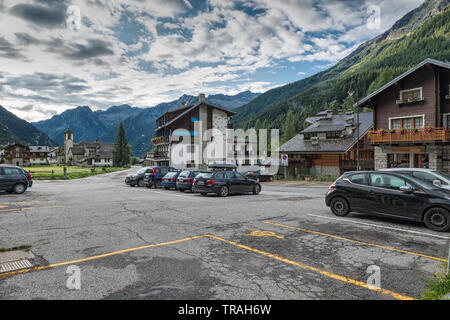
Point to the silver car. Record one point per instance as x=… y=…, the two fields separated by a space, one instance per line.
x=437 y=178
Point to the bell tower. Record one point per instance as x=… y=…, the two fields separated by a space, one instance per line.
x=68 y=143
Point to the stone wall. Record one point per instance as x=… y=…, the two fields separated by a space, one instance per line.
x=380 y=158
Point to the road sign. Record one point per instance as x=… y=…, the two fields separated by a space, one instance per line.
x=284 y=160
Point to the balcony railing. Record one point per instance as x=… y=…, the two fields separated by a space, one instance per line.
x=408 y=135
x=160 y=140
x=349 y=165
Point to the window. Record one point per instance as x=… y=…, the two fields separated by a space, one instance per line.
x=219 y=176
x=359 y=179
x=308 y=136
x=387 y=181
x=164 y=170
x=333 y=135
x=239 y=176
x=229 y=175
x=407 y=122
x=411 y=95
x=11 y=171
x=426 y=176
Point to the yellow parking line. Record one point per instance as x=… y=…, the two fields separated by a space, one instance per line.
x=356 y=241
x=322 y=272
x=266 y=254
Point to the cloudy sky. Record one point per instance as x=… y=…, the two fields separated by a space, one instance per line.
x=59 y=54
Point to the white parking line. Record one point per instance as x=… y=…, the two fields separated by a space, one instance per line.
x=380 y=226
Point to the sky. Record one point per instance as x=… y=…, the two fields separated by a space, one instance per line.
x=60 y=54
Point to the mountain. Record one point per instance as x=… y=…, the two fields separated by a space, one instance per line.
x=139 y=123
x=420 y=34
x=14 y=129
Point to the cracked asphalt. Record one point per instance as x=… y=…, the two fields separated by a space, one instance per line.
x=312 y=255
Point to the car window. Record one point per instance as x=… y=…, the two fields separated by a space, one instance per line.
x=11 y=171
x=229 y=175
x=239 y=176
x=387 y=181
x=442 y=175
x=164 y=170
x=184 y=174
x=425 y=176
x=359 y=179
x=143 y=170
x=219 y=176
x=204 y=175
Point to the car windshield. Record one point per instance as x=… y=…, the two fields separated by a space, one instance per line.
x=142 y=170
x=204 y=175
x=184 y=174
x=170 y=174
x=423 y=184
x=441 y=175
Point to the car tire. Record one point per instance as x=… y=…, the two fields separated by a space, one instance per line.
x=140 y=183
x=19 y=188
x=224 y=191
x=203 y=194
x=437 y=219
x=157 y=184
x=340 y=207
x=181 y=190
x=256 y=189
x=167 y=188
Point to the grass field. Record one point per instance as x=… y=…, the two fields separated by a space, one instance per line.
x=57 y=172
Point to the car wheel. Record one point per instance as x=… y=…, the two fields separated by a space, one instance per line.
x=20 y=188
x=167 y=188
x=339 y=206
x=224 y=191
x=256 y=189
x=140 y=183
x=203 y=194
x=437 y=219
x=157 y=184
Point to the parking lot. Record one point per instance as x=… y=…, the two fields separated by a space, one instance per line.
x=139 y=243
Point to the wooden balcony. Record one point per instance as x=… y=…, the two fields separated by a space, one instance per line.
x=422 y=135
x=160 y=140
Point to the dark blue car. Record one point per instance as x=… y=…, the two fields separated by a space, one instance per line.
x=169 y=181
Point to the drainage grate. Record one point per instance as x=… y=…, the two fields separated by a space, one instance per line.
x=15 y=265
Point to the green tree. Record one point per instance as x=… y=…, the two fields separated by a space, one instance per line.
x=122 y=151
x=348 y=103
x=289 y=130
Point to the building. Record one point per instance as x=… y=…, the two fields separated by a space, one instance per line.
x=41 y=155
x=188 y=124
x=87 y=153
x=411 y=116
x=17 y=154
x=328 y=146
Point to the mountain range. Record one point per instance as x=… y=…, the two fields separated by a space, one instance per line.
x=422 y=33
x=14 y=129
x=139 y=123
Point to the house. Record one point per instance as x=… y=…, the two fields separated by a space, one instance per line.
x=41 y=155
x=87 y=153
x=328 y=146
x=2 y=154
x=188 y=124
x=17 y=154
x=411 y=116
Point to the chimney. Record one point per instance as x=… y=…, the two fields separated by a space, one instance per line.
x=202 y=98
x=314 y=141
x=350 y=117
x=329 y=114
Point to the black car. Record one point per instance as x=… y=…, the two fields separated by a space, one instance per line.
x=258 y=175
x=186 y=178
x=391 y=195
x=14 y=179
x=153 y=177
x=224 y=183
x=137 y=179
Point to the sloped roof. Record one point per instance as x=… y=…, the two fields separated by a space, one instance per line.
x=41 y=149
x=77 y=150
x=342 y=145
x=335 y=123
x=400 y=77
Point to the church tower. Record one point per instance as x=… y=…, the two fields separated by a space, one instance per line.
x=68 y=143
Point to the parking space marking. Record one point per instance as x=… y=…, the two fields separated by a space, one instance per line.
x=264 y=253
x=264 y=233
x=178 y=195
x=380 y=226
x=316 y=270
x=356 y=241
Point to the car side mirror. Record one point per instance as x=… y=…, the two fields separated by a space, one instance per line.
x=437 y=183
x=406 y=189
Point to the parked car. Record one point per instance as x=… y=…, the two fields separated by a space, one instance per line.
x=390 y=194
x=186 y=178
x=224 y=183
x=153 y=178
x=169 y=181
x=137 y=179
x=14 y=179
x=258 y=175
x=437 y=178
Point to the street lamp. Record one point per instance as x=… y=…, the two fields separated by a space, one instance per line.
x=351 y=92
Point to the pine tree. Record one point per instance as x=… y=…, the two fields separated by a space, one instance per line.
x=122 y=152
x=289 y=130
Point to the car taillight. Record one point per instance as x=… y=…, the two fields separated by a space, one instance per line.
x=173 y=179
x=332 y=187
x=29 y=176
x=210 y=182
x=188 y=180
x=154 y=170
x=194 y=182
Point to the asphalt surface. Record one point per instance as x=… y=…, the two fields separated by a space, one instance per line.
x=281 y=244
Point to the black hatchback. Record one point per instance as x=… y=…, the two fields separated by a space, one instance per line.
x=391 y=195
x=14 y=179
x=224 y=183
